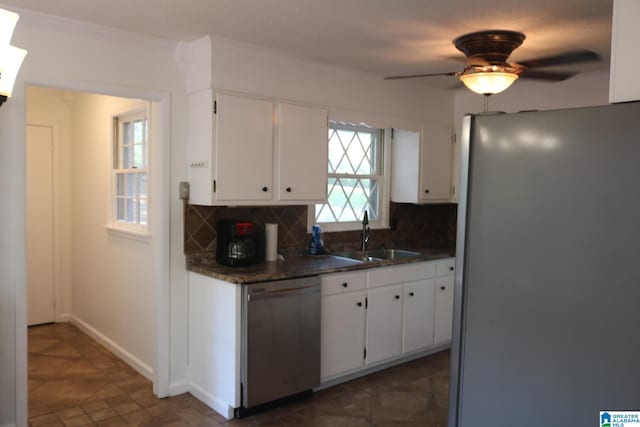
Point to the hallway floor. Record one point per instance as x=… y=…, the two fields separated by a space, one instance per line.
x=74 y=381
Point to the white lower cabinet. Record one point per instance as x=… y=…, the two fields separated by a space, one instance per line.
x=419 y=312
x=377 y=316
x=343 y=326
x=384 y=323
x=343 y=323
x=444 y=310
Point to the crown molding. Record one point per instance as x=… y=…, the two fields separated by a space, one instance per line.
x=38 y=20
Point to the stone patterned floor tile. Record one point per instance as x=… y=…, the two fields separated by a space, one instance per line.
x=75 y=381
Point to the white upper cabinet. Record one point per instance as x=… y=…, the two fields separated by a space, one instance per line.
x=244 y=148
x=625 y=32
x=303 y=134
x=436 y=164
x=421 y=170
x=233 y=158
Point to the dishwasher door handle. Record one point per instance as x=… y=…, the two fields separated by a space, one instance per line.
x=284 y=293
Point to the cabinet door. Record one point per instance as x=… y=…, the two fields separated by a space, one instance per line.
x=436 y=164
x=303 y=153
x=343 y=325
x=444 y=309
x=384 y=323
x=244 y=148
x=419 y=307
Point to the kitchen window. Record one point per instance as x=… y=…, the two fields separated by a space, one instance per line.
x=130 y=172
x=357 y=179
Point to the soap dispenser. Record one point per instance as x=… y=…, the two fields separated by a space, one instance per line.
x=316 y=246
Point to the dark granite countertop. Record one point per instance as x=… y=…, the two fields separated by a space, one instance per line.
x=296 y=266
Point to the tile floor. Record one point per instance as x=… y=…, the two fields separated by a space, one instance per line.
x=74 y=381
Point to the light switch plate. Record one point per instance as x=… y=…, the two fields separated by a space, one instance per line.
x=183 y=190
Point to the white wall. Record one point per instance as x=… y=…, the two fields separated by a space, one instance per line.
x=12 y=261
x=112 y=289
x=346 y=93
x=582 y=90
x=52 y=107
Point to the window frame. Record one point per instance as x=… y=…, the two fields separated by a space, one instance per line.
x=129 y=228
x=384 y=186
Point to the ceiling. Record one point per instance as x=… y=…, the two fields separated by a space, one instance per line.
x=381 y=37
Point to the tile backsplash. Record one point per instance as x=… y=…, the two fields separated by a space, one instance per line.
x=423 y=226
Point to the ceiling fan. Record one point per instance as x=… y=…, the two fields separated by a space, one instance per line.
x=487 y=71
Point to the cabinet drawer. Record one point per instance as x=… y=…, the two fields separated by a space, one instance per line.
x=401 y=274
x=445 y=267
x=343 y=282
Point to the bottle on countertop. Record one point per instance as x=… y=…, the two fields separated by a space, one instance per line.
x=316 y=247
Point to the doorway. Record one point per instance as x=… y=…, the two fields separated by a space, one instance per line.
x=40 y=224
x=83 y=266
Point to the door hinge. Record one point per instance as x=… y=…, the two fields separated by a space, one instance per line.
x=454 y=137
x=365 y=354
x=215 y=107
x=453 y=190
x=366 y=302
x=215 y=186
x=392 y=133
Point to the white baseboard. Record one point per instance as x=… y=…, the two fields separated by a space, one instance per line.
x=178 y=387
x=137 y=364
x=213 y=402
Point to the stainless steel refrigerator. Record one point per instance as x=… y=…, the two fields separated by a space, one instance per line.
x=547 y=297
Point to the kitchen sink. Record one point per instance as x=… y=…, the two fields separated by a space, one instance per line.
x=377 y=255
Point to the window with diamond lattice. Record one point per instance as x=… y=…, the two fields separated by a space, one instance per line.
x=355 y=177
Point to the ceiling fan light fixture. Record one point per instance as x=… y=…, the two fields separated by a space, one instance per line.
x=489 y=82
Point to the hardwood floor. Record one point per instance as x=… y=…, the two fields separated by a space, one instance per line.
x=74 y=381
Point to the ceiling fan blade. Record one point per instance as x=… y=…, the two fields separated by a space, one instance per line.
x=562 y=59
x=546 y=75
x=413 y=76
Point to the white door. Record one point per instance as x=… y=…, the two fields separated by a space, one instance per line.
x=343 y=324
x=419 y=307
x=444 y=309
x=40 y=252
x=384 y=323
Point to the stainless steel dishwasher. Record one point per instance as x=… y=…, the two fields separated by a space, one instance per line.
x=280 y=340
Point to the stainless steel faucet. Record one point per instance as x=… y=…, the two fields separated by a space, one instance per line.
x=365 y=232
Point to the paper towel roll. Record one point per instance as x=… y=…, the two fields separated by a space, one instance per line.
x=271 y=242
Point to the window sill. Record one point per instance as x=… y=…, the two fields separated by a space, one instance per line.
x=121 y=232
x=343 y=227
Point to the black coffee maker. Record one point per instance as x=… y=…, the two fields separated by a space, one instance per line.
x=238 y=243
